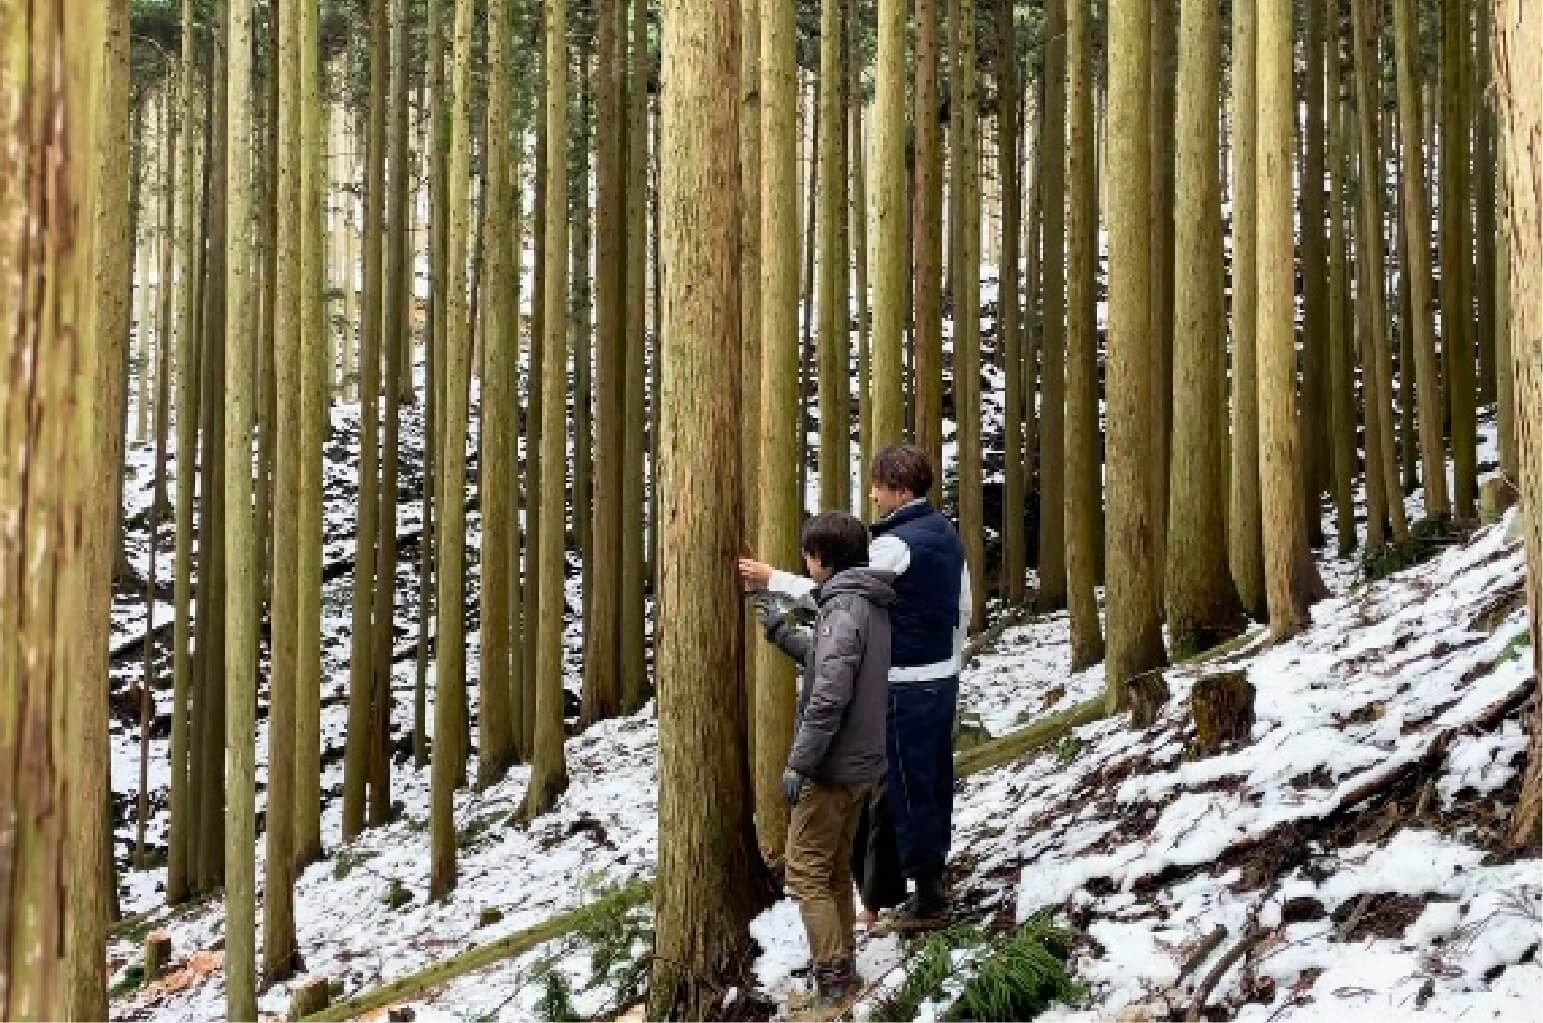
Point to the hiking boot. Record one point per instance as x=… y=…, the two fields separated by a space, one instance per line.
x=835 y=990
x=925 y=910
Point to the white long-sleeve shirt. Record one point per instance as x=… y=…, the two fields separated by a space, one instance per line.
x=889 y=553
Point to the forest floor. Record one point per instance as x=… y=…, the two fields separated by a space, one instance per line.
x=1354 y=843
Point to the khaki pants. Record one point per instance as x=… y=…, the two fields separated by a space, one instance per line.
x=819 y=867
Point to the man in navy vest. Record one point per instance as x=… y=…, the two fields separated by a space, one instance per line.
x=929 y=620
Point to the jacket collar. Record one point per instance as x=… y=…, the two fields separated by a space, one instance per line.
x=911 y=510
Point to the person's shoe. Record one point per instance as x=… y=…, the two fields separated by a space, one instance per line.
x=836 y=988
x=925 y=910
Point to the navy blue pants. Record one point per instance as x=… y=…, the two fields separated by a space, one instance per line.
x=921 y=772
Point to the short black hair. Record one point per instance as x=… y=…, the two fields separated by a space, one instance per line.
x=903 y=467
x=839 y=539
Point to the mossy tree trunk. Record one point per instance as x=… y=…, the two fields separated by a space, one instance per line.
x=633 y=669
x=967 y=397
x=1457 y=330
x=835 y=375
x=889 y=130
x=1010 y=332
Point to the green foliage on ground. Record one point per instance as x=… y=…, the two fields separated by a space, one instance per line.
x=1427 y=538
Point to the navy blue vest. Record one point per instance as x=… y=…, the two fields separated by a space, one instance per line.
x=926 y=608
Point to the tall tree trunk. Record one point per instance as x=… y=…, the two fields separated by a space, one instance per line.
x=361 y=664
x=279 y=943
x=535 y=409
x=602 y=620
x=1010 y=334
x=51 y=472
x=1341 y=364
x=1519 y=63
x=780 y=501
x=1245 y=552
x=1505 y=349
x=1083 y=490
x=242 y=607
x=1134 y=605
x=928 y=258
x=1314 y=409
x=1456 y=254
x=1482 y=286
x=967 y=398
x=178 y=870
x=1291 y=578
x=633 y=669
x=835 y=374
x=1381 y=455
x=87 y=860
x=749 y=302
x=500 y=520
x=1052 y=143
x=703 y=932
x=857 y=196
x=1201 y=602
x=394 y=344
x=211 y=752
x=1417 y=221
x=581 y=329
x=889 y=129
x=548 y=771
x=1164 y=42
x=450 y=652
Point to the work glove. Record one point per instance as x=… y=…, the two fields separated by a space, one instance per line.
x=766 y=611
x=792 y=786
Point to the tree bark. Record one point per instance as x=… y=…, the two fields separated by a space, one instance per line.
x=242 y=606
x=634 y=670
x=703 y=930
x=1381 y=454
x=780 y=501
x=1134 y=605
x=1314 y=410
x=500 y=521
x=967 y=396
x=1202 y=605
x=889 y=129
x=1245 y=551
x=927 y=238
x=1457 y=332
x=1519 y=63
x=1341 y=364
x=1291 y=578
x=1052 y=521
x=1083 y=482
x=1010 y=332
x=548 y=771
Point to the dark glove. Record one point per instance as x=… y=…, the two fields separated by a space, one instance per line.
x=792 y=786
x=767 y=612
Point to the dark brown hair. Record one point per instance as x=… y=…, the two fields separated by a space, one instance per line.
x=838 y=539
x=903 y=467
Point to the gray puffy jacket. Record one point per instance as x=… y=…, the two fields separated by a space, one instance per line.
x=844 y=700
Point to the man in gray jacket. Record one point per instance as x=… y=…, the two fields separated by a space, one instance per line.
x=838 y=741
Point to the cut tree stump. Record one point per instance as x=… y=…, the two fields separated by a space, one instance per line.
x=157 y=954
x=309 y=996
x=1146 y=694
x=1223 y=708
x=1496 y=496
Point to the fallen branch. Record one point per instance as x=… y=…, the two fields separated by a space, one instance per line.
x=405 y=988
x=1210 y=943
x=1253 y=934
x=1033 y=737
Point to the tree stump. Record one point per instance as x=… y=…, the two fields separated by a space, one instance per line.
x=1146 y=694
x=1496 y=496
x=1223 y=709
x=309 y=997
x=156 y=956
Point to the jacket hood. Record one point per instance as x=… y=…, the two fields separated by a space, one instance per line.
x=871 y=584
